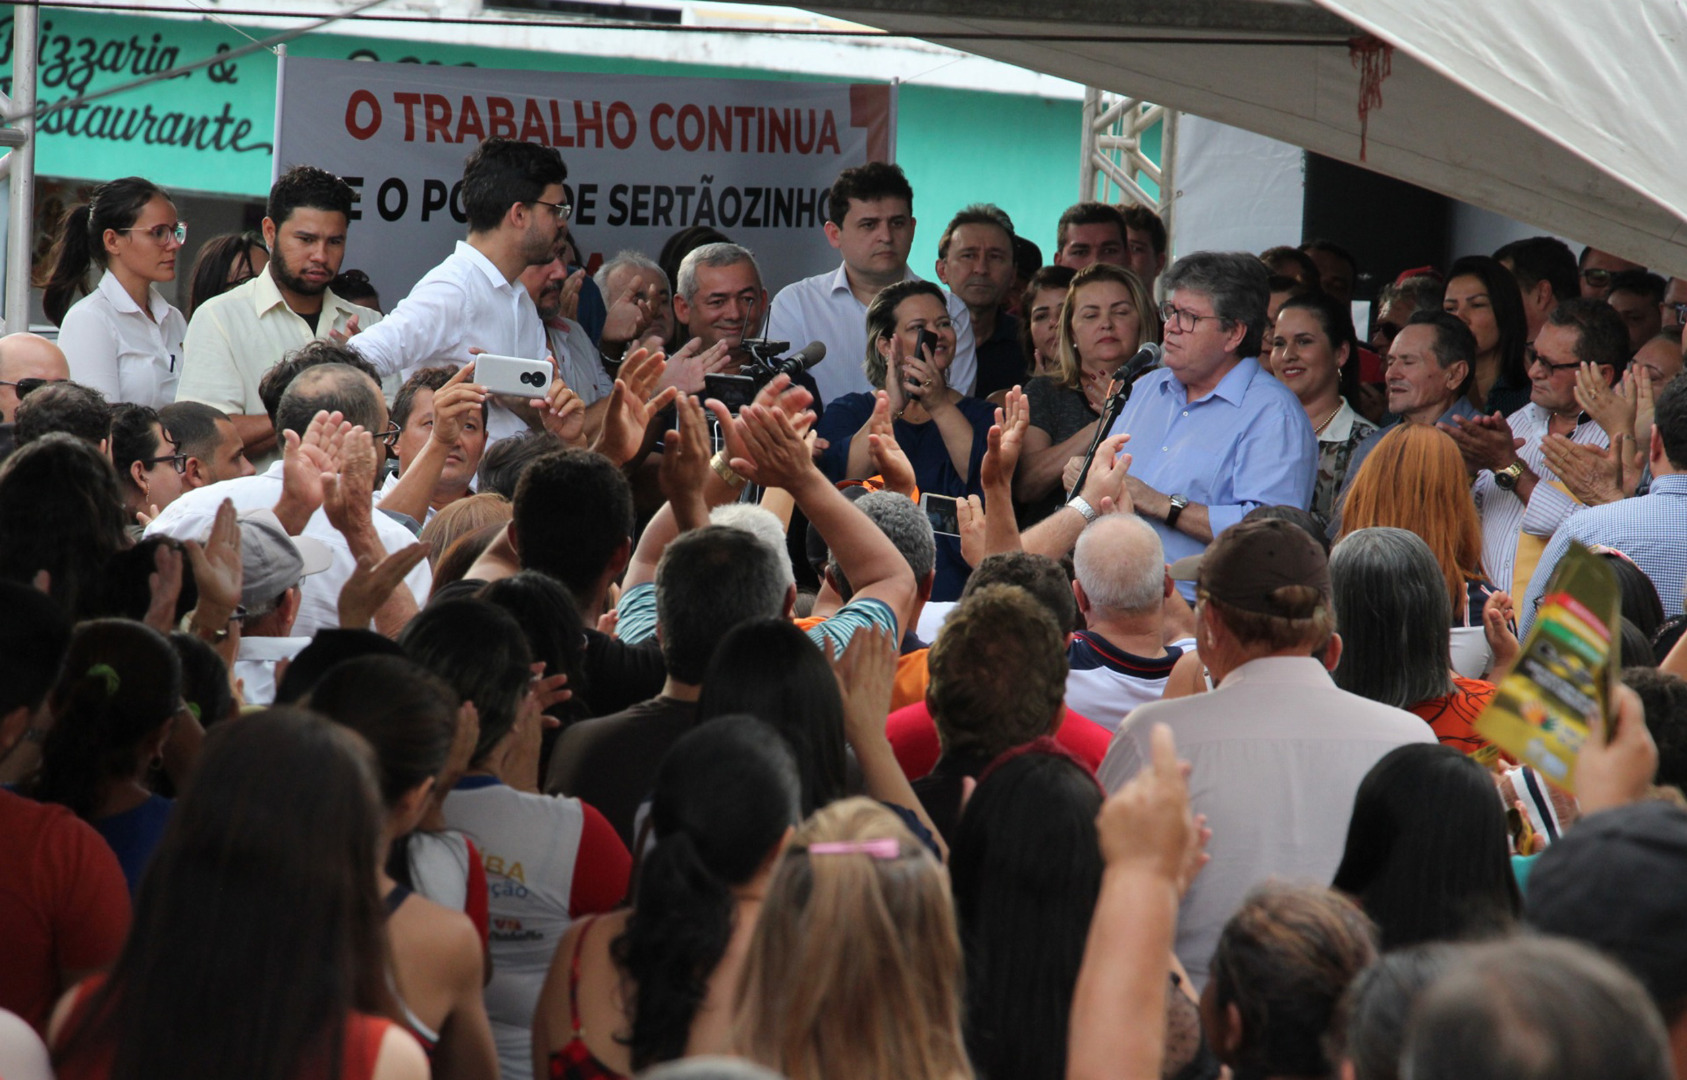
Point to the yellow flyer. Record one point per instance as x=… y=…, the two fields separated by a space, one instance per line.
x=1565 y=673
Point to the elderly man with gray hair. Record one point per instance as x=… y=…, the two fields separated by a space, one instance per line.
x=1213 y=435
x=719 y=301
x=1120 y=659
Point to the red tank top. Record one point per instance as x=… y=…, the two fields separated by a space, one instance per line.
x=574 y=1060
x=362 y=1046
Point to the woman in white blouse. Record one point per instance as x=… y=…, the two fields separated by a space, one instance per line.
x=123 y=339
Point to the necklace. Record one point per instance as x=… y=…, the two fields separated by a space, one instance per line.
x=1318 y=428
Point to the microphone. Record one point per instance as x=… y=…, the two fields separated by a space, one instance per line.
x=1146 y=359
x=807 y=357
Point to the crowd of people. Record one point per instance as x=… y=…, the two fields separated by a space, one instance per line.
x=1075 y=675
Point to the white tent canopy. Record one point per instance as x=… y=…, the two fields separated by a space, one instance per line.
x=1554 y=112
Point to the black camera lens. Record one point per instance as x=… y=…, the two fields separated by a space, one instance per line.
x=530 y=378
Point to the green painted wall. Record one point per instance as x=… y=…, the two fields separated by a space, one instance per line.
x=209 y=130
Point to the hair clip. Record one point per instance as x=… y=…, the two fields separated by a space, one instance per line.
x=884 y=848
x=107 y=675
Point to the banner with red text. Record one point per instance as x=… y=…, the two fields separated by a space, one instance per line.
x=646 y=155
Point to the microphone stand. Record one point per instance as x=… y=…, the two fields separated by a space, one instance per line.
x=1109 y=416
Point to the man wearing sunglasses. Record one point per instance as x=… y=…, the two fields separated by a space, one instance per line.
x=1520 y=500
x=27 y=362
x=1212 y=434
x=1596 y=268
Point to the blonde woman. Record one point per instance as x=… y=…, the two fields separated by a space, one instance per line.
x=1106 y=318
x=854 y=971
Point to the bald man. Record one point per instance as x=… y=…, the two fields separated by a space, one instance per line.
x=24 y=357
x=1121 y=658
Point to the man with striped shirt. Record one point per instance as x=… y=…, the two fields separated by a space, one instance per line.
x=1121 y=658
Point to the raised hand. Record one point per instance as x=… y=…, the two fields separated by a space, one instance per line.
x=340 y=337
x=1594 y=476
x=690 y=362
x=685 y=464
x=1497 y=622
x=562 y=411
x=165 y=586
x=971 y=519
x=630 y=409
x=568 y=299
x=866 y=674
x=1612 y=410
x=347 y=494
x=774 y=452
x=1006 y=437
x=631 y=313
x=217 y=572
x=888 y=456
x=373 y=583
x=455 y=402
x=304 y=462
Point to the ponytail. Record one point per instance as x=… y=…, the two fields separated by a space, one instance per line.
x=81 y=244
x=71 y=256
x=677 y=933
x=121 y=683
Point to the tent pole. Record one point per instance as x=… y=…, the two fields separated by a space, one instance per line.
x=20 y=233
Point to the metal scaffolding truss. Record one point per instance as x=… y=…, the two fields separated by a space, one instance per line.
x=1113 y=161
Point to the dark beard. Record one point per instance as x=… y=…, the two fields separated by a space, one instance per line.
x=284 y=277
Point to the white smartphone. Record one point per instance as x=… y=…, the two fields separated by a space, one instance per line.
x=940 y=511
x=512 y=375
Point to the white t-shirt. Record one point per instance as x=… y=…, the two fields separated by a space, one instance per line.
x=529 y=845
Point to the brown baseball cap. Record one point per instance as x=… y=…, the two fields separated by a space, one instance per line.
x=1251 y=560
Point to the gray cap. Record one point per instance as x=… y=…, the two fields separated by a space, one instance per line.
x=273 y=562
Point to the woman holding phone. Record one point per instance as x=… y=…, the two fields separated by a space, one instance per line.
x=914 y=419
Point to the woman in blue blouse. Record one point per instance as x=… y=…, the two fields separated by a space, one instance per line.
x=940 y=429
x=116 y=700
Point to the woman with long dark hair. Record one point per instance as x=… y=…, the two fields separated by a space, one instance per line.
x=656 y=982
x=1427 y=855
x=224 y=262
x=257 y=951
x=1313 y=351
x=61 y=513
x=118 y=694
x=1026 y=871
x=123 y=338
x=774 y=672
x=1485 y=296
x=410 y=719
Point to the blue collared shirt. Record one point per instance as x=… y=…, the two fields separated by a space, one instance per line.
x=1247 y=443
x=1649 y=529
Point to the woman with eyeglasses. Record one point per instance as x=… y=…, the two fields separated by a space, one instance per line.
x=1485 y=296
x=123 y=338
x=149 y=464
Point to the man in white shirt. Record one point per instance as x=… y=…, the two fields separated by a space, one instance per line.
x=297 y=496
x=513 y=195
x=870 y=220
x=1120 y=659
x=1520 y=500
x=236 y=337
x=1276 y=751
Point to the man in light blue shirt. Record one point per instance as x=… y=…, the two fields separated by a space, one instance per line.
x=1213 y=435
x=1651 y=530
x=870 y=220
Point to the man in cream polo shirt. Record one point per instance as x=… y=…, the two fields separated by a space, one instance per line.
x=236 y=337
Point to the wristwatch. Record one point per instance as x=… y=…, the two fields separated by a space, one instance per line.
x=1507 y=477
x=1178 y=502
x=1082 y=506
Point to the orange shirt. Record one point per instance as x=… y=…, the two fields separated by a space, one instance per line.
x=1453 y=717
